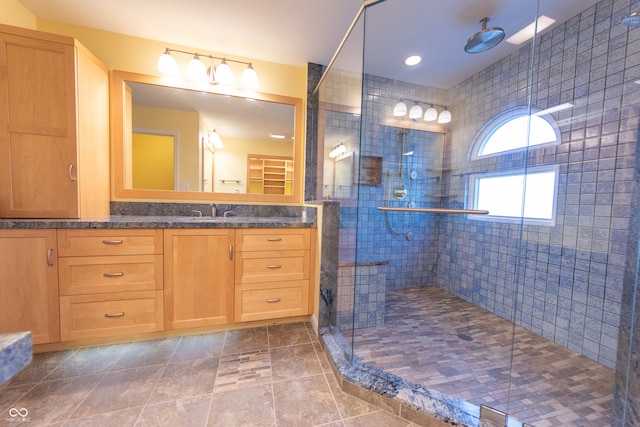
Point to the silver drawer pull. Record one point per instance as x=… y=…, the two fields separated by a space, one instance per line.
x=113 y=242
x=274 y=266
x=109 y=315
x=274 y=239
x=71 y=178
x=271 y=301
x=49 y=260
x=113 y=274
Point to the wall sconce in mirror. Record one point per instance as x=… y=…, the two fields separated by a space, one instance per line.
x=198 y=71
x=430 y=114
x=214 y=140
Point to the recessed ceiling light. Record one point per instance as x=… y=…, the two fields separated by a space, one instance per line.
x=413 y=60
x=527 y=32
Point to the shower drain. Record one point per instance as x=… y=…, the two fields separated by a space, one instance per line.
x=465 y=337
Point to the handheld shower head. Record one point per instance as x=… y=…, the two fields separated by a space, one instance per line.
x=484 y=39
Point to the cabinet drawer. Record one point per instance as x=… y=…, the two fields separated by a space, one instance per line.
x=109 y=242
x=102 y=315
x=93 y=275
x=272 y=239
x=271 y=300
x=269 y=266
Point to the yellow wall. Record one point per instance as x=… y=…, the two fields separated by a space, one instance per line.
x=153 y=162
x=134 y=54
x=186 y=125
x=14 y=13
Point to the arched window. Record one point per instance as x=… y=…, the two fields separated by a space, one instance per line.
x=515 y=130
x=511 y=195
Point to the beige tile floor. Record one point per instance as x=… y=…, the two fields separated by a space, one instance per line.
x=268 y=376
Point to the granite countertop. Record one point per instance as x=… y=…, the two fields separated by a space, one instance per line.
x=161 y=221
x=15 y=354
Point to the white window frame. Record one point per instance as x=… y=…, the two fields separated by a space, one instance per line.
x=521 y=143
x=492 y=126
x=473 y=196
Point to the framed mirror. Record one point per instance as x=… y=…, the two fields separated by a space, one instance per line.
x=178 y=140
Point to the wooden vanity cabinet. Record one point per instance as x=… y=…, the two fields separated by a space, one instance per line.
x=110 y=282
x=198 y=277
x=54 y=127
x=29 y=284
x=272 y=273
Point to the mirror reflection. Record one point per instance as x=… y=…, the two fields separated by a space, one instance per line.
x=197 y=141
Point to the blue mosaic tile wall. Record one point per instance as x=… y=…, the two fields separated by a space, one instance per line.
x=565 y=281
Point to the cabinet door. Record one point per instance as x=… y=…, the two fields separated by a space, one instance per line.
x=198 y=287
x=29 y=284
x=38 y=155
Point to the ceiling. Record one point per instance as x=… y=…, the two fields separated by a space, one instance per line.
x=296 y=32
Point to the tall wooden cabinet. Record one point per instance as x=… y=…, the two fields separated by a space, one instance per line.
x=54 y=127
x=29 y=284
x=198 y=277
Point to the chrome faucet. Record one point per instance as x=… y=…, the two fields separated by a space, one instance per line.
x=197 y=213
x=228 y=213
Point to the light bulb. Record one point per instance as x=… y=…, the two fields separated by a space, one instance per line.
x=167 y=64
x=196 y=70
x=400 y=109
x=415 y=112
x=445 y=116
x=249 y=78
x=224 y=75
x=431 y=114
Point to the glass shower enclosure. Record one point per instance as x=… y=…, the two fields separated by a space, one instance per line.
x=487 y=241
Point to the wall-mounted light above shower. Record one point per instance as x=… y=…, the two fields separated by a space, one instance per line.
x=416 y=112
x=338 y=150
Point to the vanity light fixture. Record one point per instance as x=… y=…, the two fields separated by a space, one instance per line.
x=276 y=135
x=338 y=150
x=196 y=70
x=400 y=109
x=415 y=112
x=445 y=116
x=430 y=115
x=214 y=139
x=167 y=64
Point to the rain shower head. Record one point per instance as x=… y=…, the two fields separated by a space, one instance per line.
x=484 y=39
x=632 y=20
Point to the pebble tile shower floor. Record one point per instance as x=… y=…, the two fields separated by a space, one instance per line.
x=267 y=376
x=443 y=342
